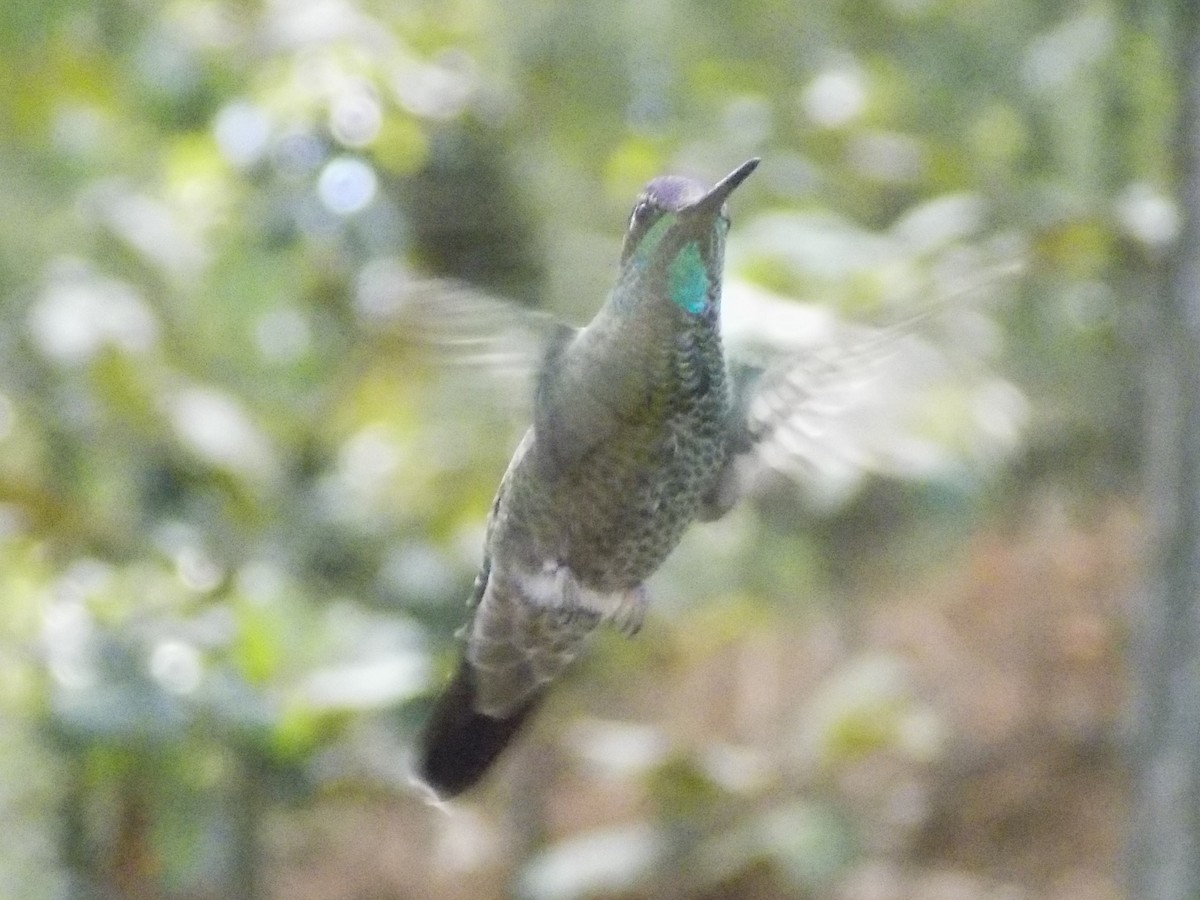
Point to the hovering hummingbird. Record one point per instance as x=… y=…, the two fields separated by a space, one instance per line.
x=632 y=440
x=639 y=429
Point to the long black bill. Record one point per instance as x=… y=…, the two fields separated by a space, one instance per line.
x=715 y=199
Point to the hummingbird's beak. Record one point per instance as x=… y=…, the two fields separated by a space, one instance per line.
x=712 y=202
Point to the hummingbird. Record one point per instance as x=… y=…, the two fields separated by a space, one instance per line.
x=635 y=436
x=642 y=425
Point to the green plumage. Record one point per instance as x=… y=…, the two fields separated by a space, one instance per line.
x=629 y=435
x=630 y=439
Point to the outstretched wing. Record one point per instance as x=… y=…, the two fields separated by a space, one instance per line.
x=500 y=344
x=829 y=403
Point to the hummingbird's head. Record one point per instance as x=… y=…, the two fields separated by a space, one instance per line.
x=676 y=237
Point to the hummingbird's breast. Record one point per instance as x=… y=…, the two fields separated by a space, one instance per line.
x=613 y=515
x=629 y=508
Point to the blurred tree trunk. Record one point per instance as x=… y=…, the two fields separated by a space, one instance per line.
x=1164 y=847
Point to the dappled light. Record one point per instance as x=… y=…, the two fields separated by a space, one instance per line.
x=278 y=284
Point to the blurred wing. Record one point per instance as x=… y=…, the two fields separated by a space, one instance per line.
x=450 y=323
x=829 y=403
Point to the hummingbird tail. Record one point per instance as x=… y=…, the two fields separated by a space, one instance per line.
x=459 y=743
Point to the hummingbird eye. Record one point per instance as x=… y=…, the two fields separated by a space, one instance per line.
x=642 y=214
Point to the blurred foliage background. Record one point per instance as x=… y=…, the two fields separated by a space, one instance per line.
x=241 y=502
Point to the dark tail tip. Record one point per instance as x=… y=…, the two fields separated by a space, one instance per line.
x=459 y=744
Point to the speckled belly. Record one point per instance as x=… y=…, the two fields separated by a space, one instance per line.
x=620 y=513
